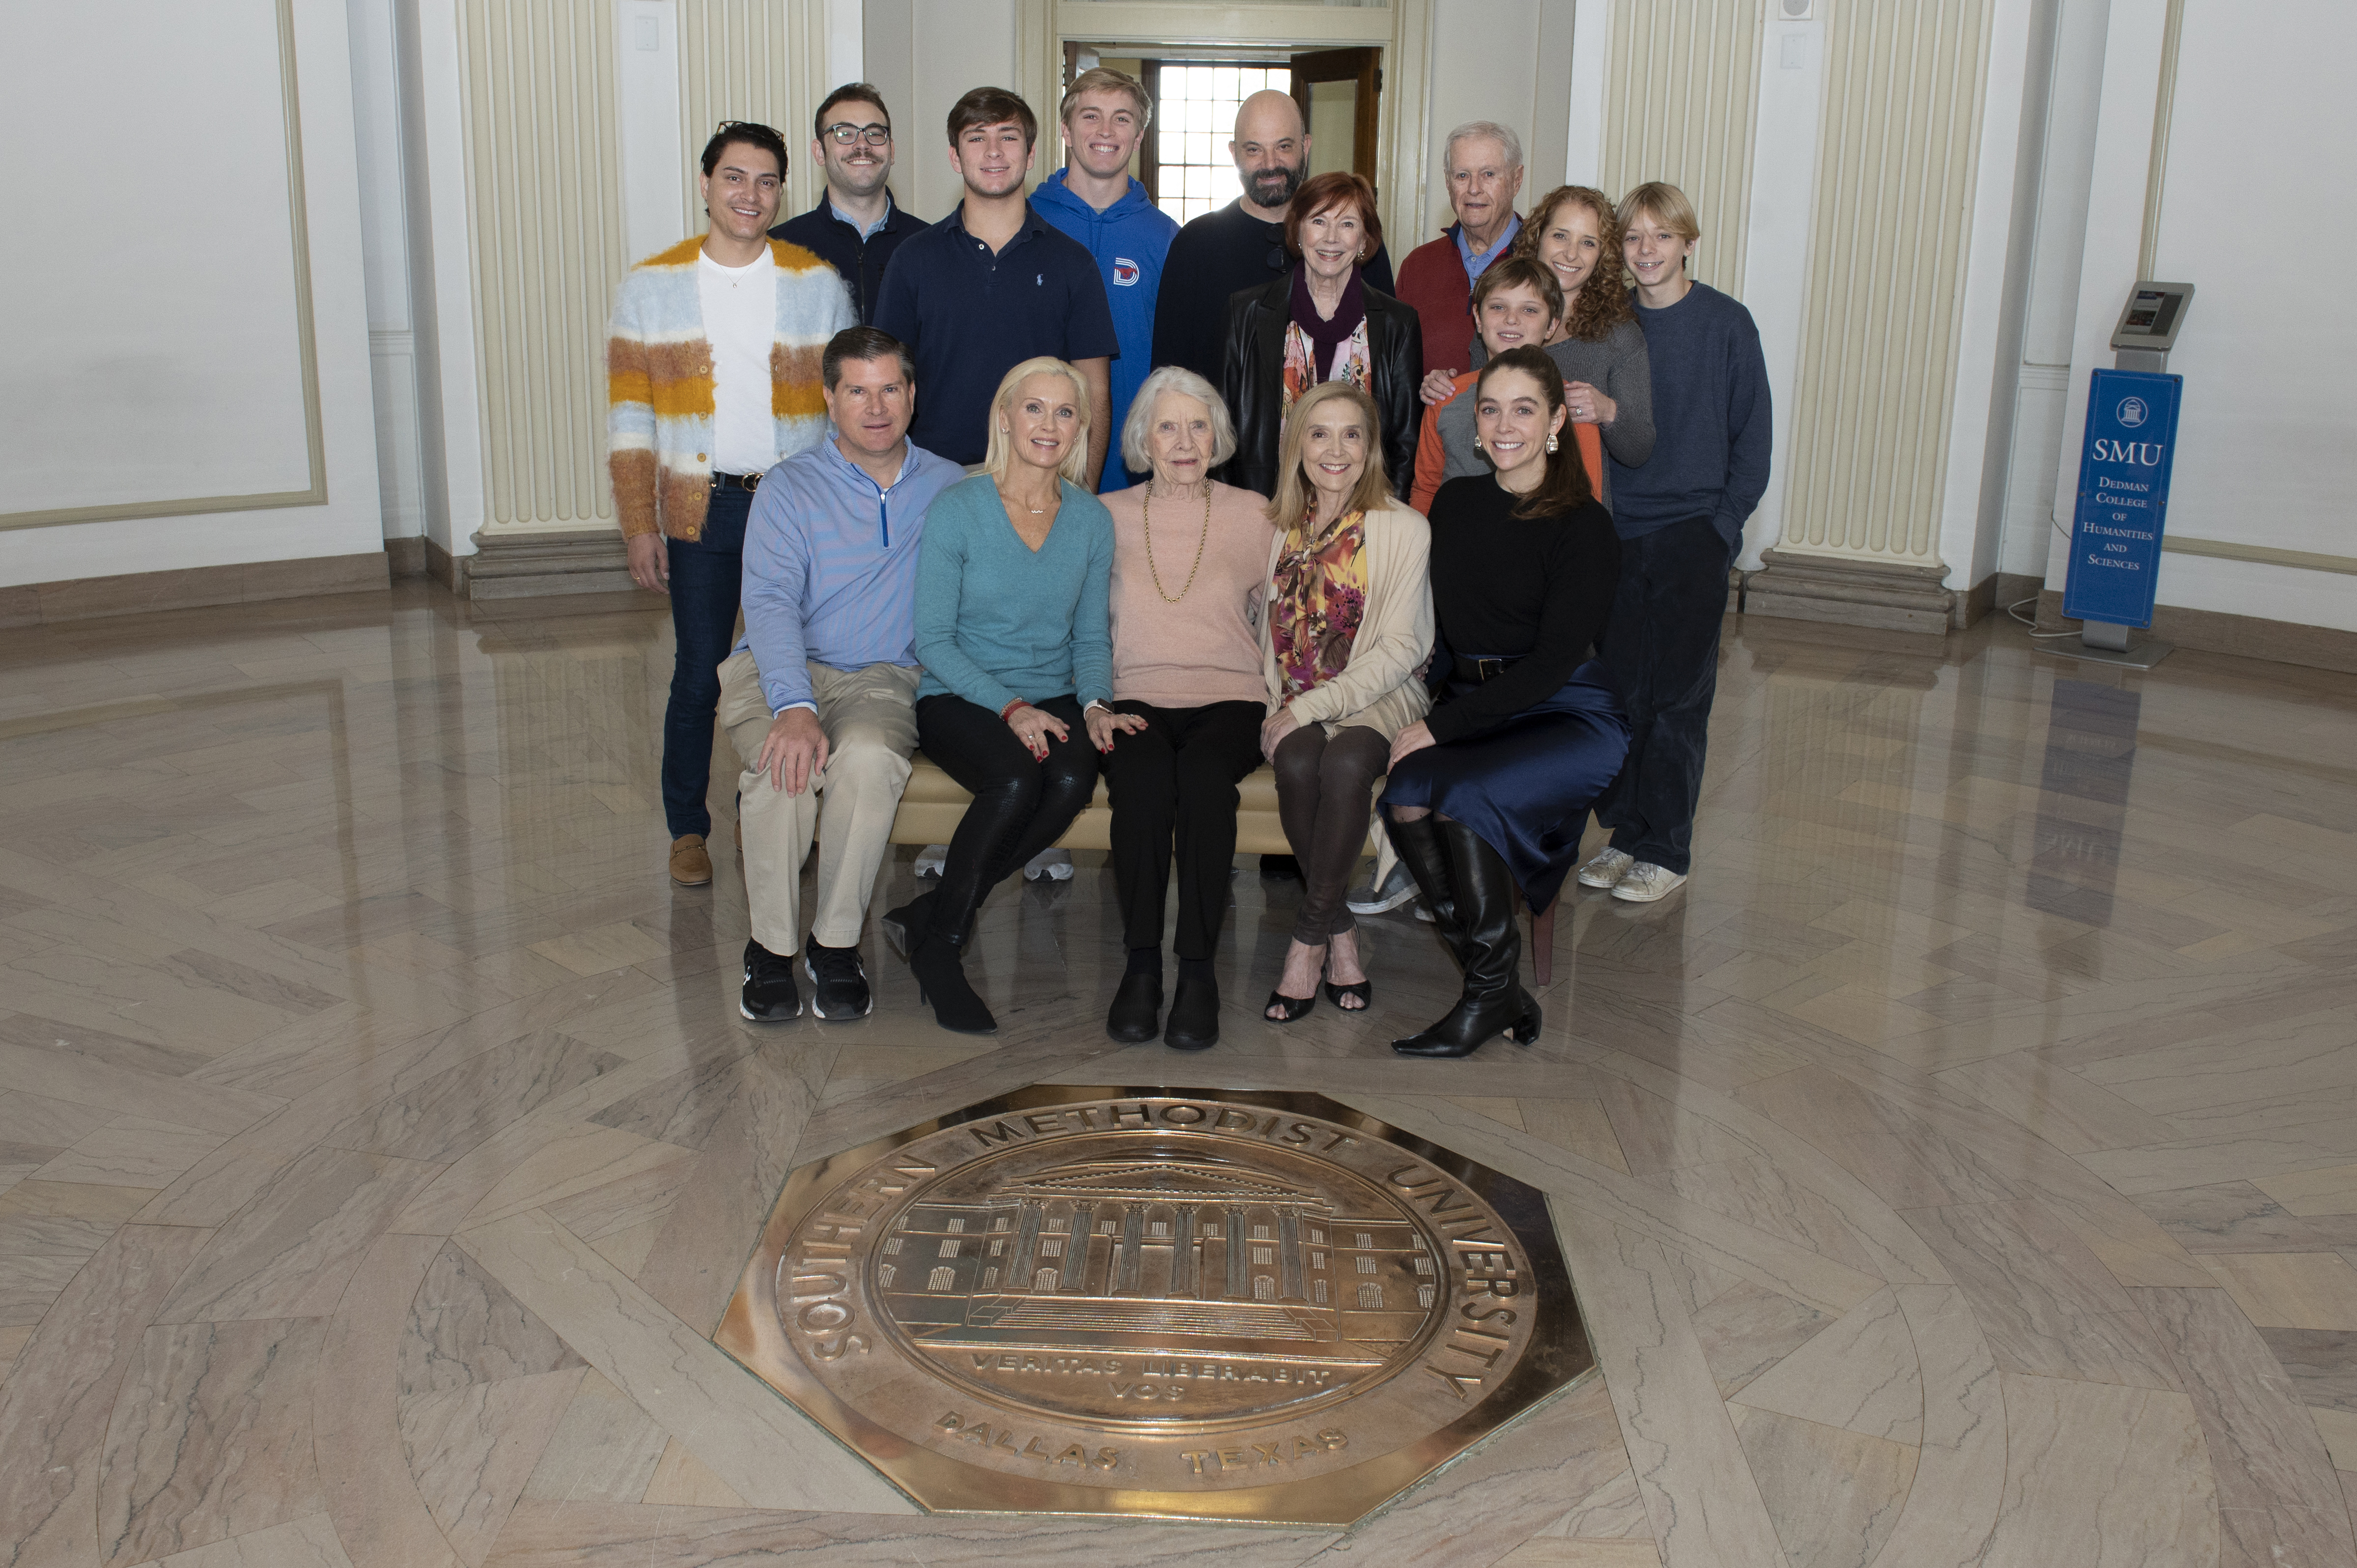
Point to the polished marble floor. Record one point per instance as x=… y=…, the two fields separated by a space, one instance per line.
x=1961 y=1170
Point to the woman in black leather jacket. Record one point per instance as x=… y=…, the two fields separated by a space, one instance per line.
x=1320 y=322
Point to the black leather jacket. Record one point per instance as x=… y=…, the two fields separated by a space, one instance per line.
x=1251 y=379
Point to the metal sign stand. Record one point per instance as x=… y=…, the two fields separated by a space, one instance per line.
x=2147 y=331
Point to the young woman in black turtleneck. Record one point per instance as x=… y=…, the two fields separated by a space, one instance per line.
x=1491 y=790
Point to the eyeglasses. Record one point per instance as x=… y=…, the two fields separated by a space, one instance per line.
x=873 y=135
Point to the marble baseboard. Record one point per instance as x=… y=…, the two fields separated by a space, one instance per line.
x=405 y=557
x=192 y=587
x=446 y=569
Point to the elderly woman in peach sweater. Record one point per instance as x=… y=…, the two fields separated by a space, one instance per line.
x=1190 y=567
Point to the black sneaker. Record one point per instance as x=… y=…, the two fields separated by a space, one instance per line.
x=770 y=996
x=839 y=986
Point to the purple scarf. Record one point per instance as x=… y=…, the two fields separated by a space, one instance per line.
x=1326 y=337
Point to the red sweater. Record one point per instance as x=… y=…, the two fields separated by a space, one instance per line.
x=1432 y=282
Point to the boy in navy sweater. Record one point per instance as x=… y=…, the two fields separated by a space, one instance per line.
x=1680 y=516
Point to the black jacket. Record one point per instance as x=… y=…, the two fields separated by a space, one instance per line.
x=1251 y=379
x=861 y=261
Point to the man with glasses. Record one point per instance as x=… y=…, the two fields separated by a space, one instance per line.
x=856 y=225
x=711 y=375
x=1242 y=244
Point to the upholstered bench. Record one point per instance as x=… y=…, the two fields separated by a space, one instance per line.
x=933 y=802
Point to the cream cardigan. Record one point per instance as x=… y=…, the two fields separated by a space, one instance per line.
x=1378 y=688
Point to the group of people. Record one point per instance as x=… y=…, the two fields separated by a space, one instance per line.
x=1386 y=554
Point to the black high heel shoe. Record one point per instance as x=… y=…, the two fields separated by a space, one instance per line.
x=1290 y=1009
x=939 y=963
x=905 y=927
x=1490 y=947
x=1365 y=990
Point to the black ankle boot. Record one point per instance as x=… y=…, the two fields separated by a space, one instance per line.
x=1194 y=1012
x=1417 y=844
x=1135 y=1015
x=939 y=963
x=1490 y=949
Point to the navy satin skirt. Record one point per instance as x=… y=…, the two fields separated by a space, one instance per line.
x=1524 y=788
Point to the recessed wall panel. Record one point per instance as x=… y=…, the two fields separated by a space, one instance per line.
x=154 y=314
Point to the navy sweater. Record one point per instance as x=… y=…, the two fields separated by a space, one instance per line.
x=1711 y=422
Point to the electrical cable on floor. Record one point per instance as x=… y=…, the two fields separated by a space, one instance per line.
x=2014 y=609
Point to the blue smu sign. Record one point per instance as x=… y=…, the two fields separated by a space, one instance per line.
x=2123 y=466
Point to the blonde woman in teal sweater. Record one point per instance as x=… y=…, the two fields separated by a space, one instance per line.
x=1017 y=699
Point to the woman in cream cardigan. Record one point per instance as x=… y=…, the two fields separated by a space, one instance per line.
x=1350 y=620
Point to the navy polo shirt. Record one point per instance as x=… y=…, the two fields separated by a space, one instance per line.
x=970 y=316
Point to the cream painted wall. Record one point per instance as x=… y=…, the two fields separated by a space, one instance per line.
x=83 y=42
x=1508 y=61
x=932 y=52
x=2260 y=449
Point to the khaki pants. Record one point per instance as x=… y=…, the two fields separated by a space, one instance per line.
x=870 y=719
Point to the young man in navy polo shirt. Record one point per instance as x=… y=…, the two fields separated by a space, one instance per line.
x=992 y=285
x=856 y=225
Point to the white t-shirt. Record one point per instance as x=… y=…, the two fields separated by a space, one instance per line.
x=740 y=320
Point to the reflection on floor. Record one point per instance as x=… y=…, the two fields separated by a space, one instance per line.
x=1962 y=1169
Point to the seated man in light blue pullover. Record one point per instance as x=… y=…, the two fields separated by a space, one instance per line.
x=818 y=697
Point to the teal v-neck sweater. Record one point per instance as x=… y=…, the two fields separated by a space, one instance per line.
x=996 y=621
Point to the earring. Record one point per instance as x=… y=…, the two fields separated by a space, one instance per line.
x=1477 y=444
x=1550 y=444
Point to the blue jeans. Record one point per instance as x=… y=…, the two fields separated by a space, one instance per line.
x=704 y=588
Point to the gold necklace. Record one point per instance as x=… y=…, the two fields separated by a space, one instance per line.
x=1010 y=500
x=1156 y=571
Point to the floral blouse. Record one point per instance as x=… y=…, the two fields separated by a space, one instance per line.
x=1319 y=597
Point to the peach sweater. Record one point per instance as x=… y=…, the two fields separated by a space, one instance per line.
x=1206 y=647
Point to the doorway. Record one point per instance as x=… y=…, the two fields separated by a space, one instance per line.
x=1194 y=92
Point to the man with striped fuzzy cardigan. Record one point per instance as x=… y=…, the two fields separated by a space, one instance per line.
x=712 y=370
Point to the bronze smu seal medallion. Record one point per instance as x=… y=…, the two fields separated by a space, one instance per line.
x=1183 y=1303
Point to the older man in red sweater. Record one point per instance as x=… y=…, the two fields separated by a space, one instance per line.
x=1484 y=165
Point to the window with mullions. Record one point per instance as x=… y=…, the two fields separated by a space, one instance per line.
x=1194 y=121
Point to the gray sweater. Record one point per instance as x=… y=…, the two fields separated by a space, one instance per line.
x=1617 y=367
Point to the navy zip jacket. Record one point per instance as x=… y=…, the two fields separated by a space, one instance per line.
x=860 y=260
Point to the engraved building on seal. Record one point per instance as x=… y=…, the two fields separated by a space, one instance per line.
x=1132 y=1252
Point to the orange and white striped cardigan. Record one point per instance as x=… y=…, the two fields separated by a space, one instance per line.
x=659 y=387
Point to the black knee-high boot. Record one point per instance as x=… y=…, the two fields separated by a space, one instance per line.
x=1490 y=947
x=1417 y=844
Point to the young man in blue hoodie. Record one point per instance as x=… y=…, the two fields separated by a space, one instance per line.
x=1094 y=199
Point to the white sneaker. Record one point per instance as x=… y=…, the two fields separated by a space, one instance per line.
x=1604 y=871
x=1644 y=883
x=1056 y=864
x=930 y=859
x=1366 y=899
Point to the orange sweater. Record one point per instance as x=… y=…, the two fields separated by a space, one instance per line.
x=1432 y=463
